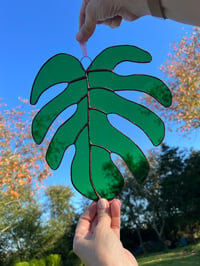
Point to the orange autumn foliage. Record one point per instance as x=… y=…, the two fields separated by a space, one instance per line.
x=21 y=160
x=182 y=74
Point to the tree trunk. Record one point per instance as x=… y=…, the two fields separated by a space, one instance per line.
x=140 y=239
x=159 y=233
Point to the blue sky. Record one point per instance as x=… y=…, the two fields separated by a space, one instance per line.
x=33 y=31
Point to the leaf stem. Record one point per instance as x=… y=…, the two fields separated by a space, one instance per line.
x=89 y=138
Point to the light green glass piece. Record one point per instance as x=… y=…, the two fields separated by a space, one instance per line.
x=88 y=129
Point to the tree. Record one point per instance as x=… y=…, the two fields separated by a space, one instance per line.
x=168 y=201
x=59 y=204
x=134 y=209
x=168 y=163
x=20 y=224
x=182 y=72
x=21 y=160
x=26 y=231
x=142 y=204
x=61 y=221
x=22 y=169
x=192 y=183
x=183 y=197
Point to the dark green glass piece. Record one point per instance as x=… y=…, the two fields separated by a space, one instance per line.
x=135 y=113
x=112 y=56
x=114 y=141
x=66 y=135
x=45 y=117
x=105 y=185
x=88 y=129
x=144 y=83
x=61 y=68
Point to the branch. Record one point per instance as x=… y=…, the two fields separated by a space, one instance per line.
x=5 y=229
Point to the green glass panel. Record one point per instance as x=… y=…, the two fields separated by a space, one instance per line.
x=105 y=135
x=60 y=68
x=66 y=135
x=106 y=185
x=88 y=128
x=149 y=122
x=50 y=111
x=112 y=56
x=148 y=84
x=80 y=172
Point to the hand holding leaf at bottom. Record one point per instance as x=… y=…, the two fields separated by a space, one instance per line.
x=97 y=238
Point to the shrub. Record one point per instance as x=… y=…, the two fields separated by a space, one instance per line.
x=73 y=259
x=24 y=263
x=53 y=260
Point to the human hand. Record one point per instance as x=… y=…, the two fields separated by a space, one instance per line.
x=109 y=12
x=97 y=238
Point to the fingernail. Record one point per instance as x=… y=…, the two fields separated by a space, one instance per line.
x=83 y=47
x=102 y=204
x=118 y=201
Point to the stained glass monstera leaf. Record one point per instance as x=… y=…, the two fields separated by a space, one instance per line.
x=93 y=90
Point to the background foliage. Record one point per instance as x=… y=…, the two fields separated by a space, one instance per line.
x=156 y=216
x=165 y=207
x=182 y=73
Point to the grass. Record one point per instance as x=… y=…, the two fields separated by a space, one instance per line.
x=187 y=256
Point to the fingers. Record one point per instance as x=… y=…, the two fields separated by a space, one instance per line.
x=129 y=16
x=99 y=214
x=103 y=213
x=86 y=31
x=87 y=22
x=115 y=216
x=94 y=224
x=85 y=221
x=102 y=12
x=112 y=22
x=82 y=13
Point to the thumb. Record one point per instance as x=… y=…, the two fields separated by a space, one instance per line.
x=103 y=211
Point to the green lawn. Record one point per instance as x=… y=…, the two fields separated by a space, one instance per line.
x=189 y=256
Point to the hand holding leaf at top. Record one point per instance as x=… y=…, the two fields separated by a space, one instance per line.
x=108 y=12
